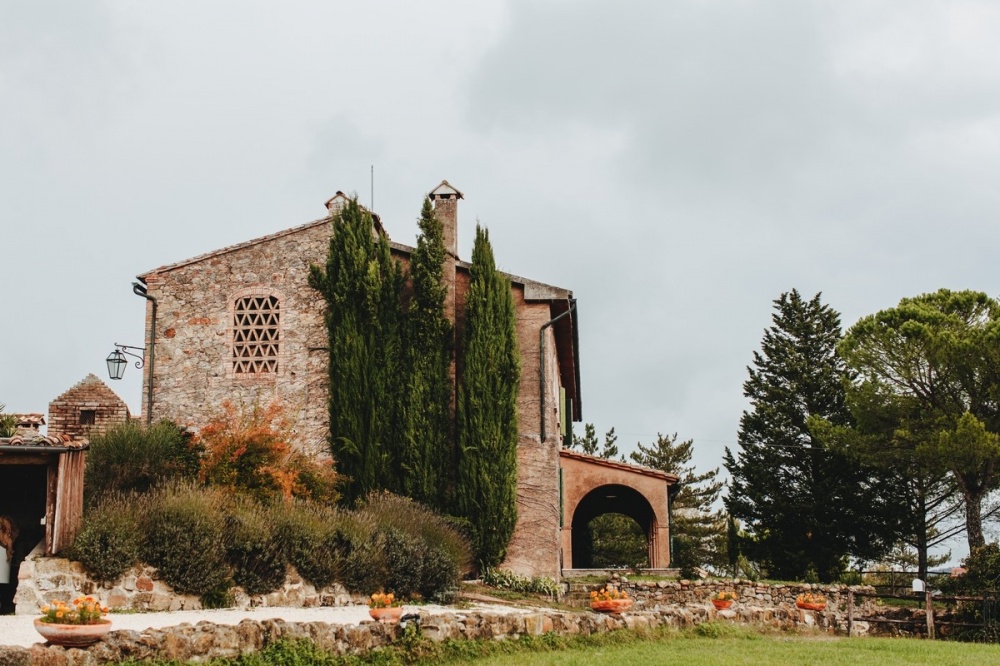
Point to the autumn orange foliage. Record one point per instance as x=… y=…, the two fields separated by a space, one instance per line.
x=247 y=449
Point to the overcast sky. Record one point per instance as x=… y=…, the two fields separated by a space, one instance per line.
x=678 y=165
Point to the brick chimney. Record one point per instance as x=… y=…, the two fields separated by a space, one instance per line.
x=445 y=199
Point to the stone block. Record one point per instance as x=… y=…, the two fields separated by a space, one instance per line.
x=14 y=656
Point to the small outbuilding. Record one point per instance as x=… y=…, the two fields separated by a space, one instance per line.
x=41 y=477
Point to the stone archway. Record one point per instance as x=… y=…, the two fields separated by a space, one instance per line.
x=612 y=498
x=594 y=486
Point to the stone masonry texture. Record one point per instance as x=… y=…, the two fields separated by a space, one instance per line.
x=193 y=368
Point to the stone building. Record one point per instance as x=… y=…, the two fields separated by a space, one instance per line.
x=242 y=324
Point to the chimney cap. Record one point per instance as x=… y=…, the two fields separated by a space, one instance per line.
x=445 y=191
x=337 y=201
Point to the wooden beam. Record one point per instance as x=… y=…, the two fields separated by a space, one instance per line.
x=26 y=459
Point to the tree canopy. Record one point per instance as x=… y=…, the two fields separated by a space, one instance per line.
x=928 y=381
x=490 y=372
x=362 y=284
x=699 y=531
x=426 y=455
x=807 y=508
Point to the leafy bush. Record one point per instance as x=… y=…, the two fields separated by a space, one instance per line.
x=253 y=548
x=438 y=532
x=8 y=423
x=184 y=539
x=509 y=580
x=982 y=572
x=246 y=450
x=132 y=457
x=110 y=540
x=313 y=540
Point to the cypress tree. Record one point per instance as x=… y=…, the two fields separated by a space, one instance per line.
x=426 y=458
x=805 y=506
x=486 y=484
x=362 y=284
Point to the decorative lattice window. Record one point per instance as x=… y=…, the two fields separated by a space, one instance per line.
x=255 y=335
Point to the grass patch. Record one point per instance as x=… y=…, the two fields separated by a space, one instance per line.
x=721 y=644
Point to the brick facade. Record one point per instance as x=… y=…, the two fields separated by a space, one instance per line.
x=87 y=409
x=194 y=346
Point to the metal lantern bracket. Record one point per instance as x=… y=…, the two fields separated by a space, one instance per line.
x=116 y=360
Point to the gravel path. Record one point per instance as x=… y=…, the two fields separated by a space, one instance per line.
x=20 y=629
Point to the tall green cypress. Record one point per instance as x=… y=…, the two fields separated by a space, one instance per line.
x=486 y=488
x=426 y=458
x=807 y=508
x=362 y=285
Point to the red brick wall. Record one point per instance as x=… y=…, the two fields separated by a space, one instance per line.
x=91 y=394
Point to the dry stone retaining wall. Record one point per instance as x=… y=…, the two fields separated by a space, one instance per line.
x=42 y=580
x=206 y=640
x=652 y=594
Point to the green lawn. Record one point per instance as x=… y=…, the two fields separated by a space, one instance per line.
x=770 y=650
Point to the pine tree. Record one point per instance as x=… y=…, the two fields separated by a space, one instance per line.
x=806 y=507
x=362 y=284
x=698 y=529
x=486 y=484
x=426 y=458
x=589 y=444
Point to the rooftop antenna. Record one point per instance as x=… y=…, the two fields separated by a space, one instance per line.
x=373 y=189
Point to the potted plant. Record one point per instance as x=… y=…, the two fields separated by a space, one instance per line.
x=810 y=601
x=385 y=607
x=79 y=626
x=723 y=599
x=610 y=600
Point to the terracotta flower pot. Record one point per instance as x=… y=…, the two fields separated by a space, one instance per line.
x=722 y=604
x=390 y=614
x=72 y=635
x=808 y=606
x=611 y=605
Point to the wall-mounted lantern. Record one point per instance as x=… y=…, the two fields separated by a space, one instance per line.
x=116 y=360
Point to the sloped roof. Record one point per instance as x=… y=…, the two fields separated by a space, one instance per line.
x=615 y=464
x=93 y=385
x=53 y=443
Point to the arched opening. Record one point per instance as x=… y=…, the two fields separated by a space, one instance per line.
x=606 y=500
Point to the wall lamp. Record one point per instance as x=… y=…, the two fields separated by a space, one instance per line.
x=117 y=361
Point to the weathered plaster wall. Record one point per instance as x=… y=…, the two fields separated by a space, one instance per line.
x=534 y=549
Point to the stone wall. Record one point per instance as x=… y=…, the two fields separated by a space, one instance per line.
x=651 y=595
x=206 y=640
x=42 y=580
x=194 y=371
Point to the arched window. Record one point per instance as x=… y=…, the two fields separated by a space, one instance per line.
x=256 y=334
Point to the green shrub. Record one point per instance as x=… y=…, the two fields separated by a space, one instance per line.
x=313 y=541
x=184 y=539
x=110 y=540
x=132 y=457
x=440 y=575
x=253 y=548
x=511 y=581
x=8 y=423
x=444 y=553
x=366 y=567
